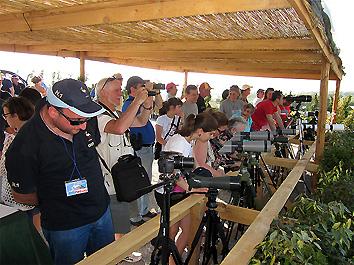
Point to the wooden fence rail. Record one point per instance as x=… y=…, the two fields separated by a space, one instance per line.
x=241 y=253
x=244 y=249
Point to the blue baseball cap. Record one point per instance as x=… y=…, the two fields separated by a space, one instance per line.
x=73 y=95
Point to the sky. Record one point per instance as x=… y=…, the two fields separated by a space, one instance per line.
x=339 y=11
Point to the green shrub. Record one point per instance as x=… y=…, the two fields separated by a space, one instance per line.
x=311 y=233
x=337 y=185
x=339 y=147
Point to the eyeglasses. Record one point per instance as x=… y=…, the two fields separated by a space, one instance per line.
x=73 y=122
x=110 y=79
x=6 y=114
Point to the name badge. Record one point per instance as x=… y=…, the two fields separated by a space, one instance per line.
x=75 y=187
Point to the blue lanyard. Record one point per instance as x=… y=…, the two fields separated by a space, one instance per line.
x=73 y=159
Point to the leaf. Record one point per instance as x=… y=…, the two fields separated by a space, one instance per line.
x=336 y=225
x=300 y=244
x=273 y=260
x=273 y=235
x=317 y=245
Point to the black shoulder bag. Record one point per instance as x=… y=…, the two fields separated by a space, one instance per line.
x=128 y=174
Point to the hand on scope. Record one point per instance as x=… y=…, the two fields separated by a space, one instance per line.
x=141 y=95
x=201 y=190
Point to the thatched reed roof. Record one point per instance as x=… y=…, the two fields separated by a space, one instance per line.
x=275 y=38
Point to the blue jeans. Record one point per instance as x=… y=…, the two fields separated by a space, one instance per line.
x=69 y=246
x=146 y=155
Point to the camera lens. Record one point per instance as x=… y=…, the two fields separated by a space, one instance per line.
x=183 y=162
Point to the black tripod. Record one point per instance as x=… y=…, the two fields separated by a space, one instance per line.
x=213 y=231
x=164 y=246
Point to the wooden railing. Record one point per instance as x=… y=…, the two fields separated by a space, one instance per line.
x=241 y=253
x=245 y=248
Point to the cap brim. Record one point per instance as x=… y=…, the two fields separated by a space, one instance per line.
x=88 y=110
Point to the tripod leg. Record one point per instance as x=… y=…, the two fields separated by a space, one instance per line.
x=196 y=238
x=175 y=254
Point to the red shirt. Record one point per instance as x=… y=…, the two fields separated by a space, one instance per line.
x=285 y=111
x=259 y=116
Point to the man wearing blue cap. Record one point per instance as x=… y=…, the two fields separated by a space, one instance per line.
x=53 y=163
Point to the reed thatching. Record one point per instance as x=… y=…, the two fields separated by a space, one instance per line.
x=30 y=26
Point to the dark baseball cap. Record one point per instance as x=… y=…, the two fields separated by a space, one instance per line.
x=134 y=81
x=73 y=95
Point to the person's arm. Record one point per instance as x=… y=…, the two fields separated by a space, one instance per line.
x=158 y=102
x=159 y=138
x=22 y=179
x=28 y=199
x=128 y=118
x=200 y=151
x=271 y=122
x=279 y=120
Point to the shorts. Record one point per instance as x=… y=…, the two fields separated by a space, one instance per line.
x=176 y=197
x=120 y=215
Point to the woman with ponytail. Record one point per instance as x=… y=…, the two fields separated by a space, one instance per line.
x=203 y=152
x=196 y=128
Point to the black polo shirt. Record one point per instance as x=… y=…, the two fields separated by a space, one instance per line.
x=37 y=161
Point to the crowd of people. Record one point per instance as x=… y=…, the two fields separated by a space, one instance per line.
x=62 y=138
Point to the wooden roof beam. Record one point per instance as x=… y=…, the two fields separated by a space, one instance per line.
x=218 y=45
x=304 y=14
x=127 y=11
x=245 y=56
x=294 y=74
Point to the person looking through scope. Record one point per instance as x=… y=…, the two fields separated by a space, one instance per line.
x=203 y=151
x=266 y=112
x=199 y=127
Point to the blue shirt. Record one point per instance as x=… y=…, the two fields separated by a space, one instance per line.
x=147 y=131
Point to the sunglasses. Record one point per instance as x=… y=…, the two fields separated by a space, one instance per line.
x=73 y=122
x=110 y=79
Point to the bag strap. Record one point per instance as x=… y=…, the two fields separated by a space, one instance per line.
x=109 y=110
x=103 y=162
x=172 y=123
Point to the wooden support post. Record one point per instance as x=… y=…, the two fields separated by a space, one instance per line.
x=335 y=102
x=322 y=116
x=185 y=84
x=82 y=66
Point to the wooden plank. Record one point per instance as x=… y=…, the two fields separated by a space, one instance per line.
x=287 y=163
x=218 y=45
x=223 y=65
x=118 y=250
x=244 y=249
x=335 y=102
x=236 y=214
x=115 y=13
x=297 y=141
x=303 y=12
x=239 y=56
x=196 y=212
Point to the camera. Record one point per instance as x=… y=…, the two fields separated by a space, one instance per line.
x=159 y=86
x=301 y=98
x=169 y=161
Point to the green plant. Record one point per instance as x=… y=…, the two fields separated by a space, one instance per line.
x=311 y=233
x=343 y=109
x=337 y=185
x=339 y=147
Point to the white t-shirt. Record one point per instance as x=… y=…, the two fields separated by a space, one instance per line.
x=256 y=101
x=165 y=122
x=177 y=143
x=112 y=147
